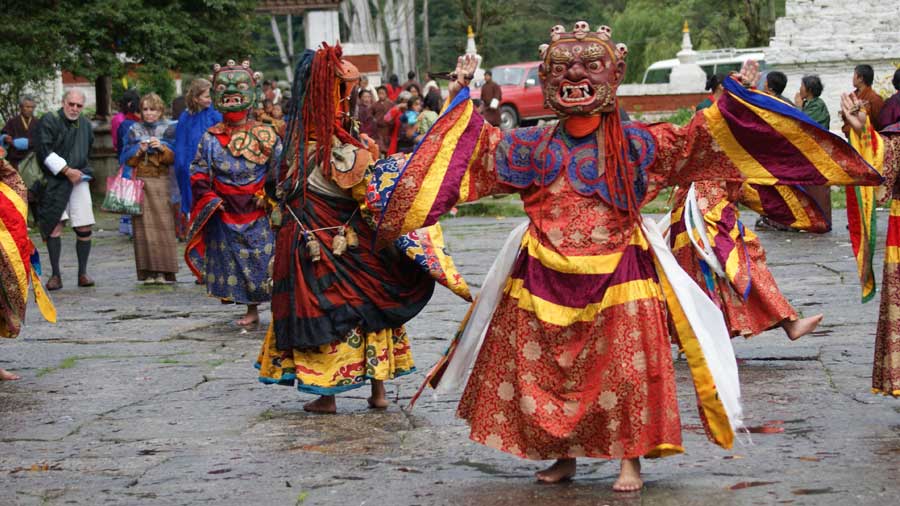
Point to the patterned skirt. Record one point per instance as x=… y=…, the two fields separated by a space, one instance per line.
x=339 y=366
x=603 y=388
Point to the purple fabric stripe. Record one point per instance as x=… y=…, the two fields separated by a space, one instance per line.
x=580 y=290
x=240 y=204
x=448 y=195
x=774 y=205
x=768 y=146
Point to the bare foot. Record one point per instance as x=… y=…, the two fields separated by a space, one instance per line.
x=799 y=328
x=8 y=376
x=251 y=318
x=629 y=476
x=324 y=405
x=561 y=470
x=378 y=400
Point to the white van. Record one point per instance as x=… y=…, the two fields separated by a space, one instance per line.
x=712 y=61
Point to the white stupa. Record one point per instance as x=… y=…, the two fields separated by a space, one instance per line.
x=687 y=76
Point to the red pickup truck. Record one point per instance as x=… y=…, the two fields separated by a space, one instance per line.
x=523 y=98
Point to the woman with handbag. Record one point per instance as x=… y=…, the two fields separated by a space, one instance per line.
x=149 y=149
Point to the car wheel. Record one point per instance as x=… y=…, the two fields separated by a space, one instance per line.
x=509 y=118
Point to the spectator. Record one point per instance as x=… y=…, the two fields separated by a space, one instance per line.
x=491 y=95
x=430 y=84
x=199 y=116
x=364 y=85
x=63 y=144
x=179 y=104
x=382 y=127
x=807 y=99
x=715 y=87
x=406 y=139
x=863 y=77
x=411 y=81
x=129 y=113
x=890 y=114
x=21 y=131
x=414 y=89
x=775 y=84
x=393 y=87
x=365 y=114
x=394 y=118
x=149 y=148
x=431 y=106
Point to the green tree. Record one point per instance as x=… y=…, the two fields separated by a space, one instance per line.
x=94 y=38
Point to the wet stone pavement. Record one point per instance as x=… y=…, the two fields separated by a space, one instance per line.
x=147 y=395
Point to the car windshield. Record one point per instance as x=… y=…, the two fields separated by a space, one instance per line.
x=507 y=75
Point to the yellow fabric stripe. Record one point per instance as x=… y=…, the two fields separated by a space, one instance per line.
x=464 y=184
x=556 y=314
x=716 y=417
x=17 y=201
x=806 y=144
x=588 y=264
x=431 y=186
x=16 y=262
x=749 y=167
x=664 y=450
x=45 y=305
x=892 y=254
x=801 y=218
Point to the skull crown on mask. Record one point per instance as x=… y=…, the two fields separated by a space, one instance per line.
x=234 y=87
x=581 y=70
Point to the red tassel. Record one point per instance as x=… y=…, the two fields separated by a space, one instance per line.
x=618 y=167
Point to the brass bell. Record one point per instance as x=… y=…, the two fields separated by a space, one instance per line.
x=339 y=243
x=313 y=249
x=352 y=238
x=275 y=218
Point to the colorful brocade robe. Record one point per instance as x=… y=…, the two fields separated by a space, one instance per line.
x=230 y=241
x=575 y=360
x=744 y=289
x=884 y=152
x=19 y=261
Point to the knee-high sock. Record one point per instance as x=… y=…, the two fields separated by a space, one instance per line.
x=83 y=250
x=54 y=248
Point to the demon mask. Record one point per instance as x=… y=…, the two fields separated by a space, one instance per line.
x=234 y=87
x=581 y=70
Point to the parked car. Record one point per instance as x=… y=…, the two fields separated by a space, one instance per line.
x=712 y=61
x=523 y=98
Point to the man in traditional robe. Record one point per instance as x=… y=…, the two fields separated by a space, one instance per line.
x=21 y=131
x=863 y=77
x=64 y=145
x=491 y=95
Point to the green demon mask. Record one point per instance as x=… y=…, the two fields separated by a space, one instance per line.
x=234 y=87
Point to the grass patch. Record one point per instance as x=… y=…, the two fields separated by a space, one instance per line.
x=216 y=362
x=168 y=361
x=70 y=362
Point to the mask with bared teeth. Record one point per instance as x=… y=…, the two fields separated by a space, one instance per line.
x=580 y=71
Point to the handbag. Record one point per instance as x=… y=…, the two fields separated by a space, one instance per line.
x=32 y=173
x=123 y=196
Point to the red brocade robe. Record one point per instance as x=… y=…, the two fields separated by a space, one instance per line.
x=576 y=359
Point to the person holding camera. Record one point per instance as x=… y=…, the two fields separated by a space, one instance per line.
x=150 y=150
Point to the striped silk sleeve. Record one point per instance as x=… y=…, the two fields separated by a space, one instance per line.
x=454 y=162
x=752 y=137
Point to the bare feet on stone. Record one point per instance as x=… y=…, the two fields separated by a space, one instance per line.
x=629 y=476
x=323 y=405
x=8 y=376
x=561 y=470
x=378 y=400
x=251 y=318
x=799 y=328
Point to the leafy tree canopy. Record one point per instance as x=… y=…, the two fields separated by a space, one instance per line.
x=94 y=38
x=511 y=30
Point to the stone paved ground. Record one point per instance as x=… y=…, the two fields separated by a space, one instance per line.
x=148 y=396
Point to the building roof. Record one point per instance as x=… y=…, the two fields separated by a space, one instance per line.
x=295 y=6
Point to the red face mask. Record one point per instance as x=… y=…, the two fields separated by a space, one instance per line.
x=580 y=77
